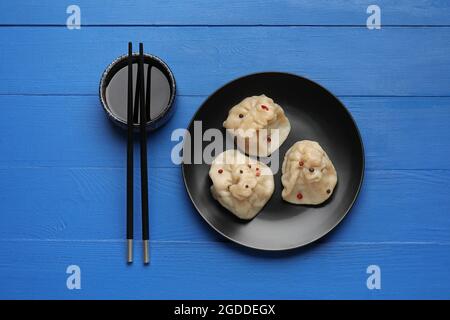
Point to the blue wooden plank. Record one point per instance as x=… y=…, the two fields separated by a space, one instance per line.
x=89 y=203
x=231 y=12
x=37 y=269
x=346 y=60
x=73 y=131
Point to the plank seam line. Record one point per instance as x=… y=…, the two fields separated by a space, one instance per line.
x=211 y=242
x=59 y=25
x=205 y=95
x=177 y=167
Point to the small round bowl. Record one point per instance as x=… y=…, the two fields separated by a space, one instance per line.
x=122 y=62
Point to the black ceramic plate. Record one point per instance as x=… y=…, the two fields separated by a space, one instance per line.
x=315 y=114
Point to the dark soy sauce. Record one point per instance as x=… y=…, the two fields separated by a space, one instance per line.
x=116 y=92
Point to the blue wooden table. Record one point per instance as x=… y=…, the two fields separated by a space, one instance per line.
x=62 y=163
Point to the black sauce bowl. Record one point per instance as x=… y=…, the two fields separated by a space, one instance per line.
x=165 y=111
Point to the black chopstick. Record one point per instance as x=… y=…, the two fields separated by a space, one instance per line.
x=143 y=140
x=130 y=156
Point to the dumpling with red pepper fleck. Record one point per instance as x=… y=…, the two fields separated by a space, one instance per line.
x=259 y=125
x=240 y=184
x=308 y=175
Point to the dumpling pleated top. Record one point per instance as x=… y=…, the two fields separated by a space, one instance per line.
x=308 y=175
x=259 y=124
x=240 y=184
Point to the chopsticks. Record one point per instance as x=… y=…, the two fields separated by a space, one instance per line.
x=142 y=102
x=143 y=140
x=130 y=156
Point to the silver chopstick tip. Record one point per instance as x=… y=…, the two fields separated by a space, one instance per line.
x=129 y=250
x=146 y=255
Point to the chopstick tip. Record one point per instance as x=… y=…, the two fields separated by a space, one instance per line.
x=129 y=250
x=146 y=255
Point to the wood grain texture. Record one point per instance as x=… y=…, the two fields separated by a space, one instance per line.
x=89 y=203
x=62 y=172
x=346 y=60
x=73 y=131
x=232 y=12
x=220 y=270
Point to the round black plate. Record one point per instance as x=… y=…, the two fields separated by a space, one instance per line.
x=315 y=114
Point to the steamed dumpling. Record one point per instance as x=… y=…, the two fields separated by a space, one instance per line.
x=308 y=177
x=240 y=184
x=259 y=124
